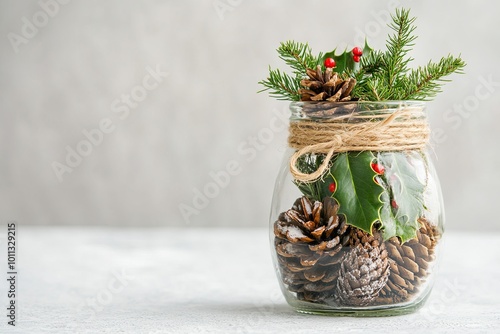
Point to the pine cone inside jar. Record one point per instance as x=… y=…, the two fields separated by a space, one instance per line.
x=409 y=264
x=326 y=86
x=308 y=239
x=364 y=270
x=360 y=237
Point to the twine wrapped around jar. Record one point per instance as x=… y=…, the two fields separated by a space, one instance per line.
x=403 y=129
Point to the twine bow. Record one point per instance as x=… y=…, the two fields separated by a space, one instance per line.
x=403 y=129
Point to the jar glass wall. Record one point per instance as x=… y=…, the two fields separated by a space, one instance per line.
x=363 y=238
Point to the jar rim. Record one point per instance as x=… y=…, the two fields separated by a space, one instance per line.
x=324 y=109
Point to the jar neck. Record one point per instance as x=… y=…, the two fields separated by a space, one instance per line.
x=329 y=111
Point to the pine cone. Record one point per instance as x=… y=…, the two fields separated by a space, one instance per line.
x=326 y=86
x=409 y=263
x=309 y=240
x=360 y=237
x=364 y=270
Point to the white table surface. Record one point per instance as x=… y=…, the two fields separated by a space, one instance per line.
x=214 y=281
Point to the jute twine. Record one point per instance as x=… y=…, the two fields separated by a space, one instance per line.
x=400 y=130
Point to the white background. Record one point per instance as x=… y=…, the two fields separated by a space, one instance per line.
x=65 y=77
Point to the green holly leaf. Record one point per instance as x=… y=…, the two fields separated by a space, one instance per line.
x=356 y=192
x=403 y=198
x=387 y=219
x=344 y=60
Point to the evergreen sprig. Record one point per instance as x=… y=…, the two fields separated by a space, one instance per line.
x=371 y=63
x=281 y=85
x=299 y=57
x=398 y=45
x=381 y=75
x=386 y=76
x=425 y=82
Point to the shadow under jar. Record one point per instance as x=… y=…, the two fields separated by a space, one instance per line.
x=357 y=212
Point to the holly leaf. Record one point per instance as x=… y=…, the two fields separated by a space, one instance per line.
x=403 y=198
x=344 y=60
x=387 y=219
x=358 y=195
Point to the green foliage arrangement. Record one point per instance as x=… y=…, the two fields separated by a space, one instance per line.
x=380 y=75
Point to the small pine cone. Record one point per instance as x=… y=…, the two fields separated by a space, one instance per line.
x=358 y=236
x=326 y=86
x=364 y=272
x=308 y=241
x=409 y=263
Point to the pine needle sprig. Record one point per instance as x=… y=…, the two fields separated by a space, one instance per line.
x=374 y=89
x=298 y=56
x=398 y=45
x=369 y=65
x=425 y=82
x=371 y=62
x=386 y=76
x=281 y=85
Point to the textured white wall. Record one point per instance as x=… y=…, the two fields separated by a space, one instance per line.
x=73 y=72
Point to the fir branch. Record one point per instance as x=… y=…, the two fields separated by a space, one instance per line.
x=371 y=62
x=281 y=85
x=376 y=90
x=369 y=65
x=398 y=45
x=298 y=56
x=385 y=76
x=425 y=82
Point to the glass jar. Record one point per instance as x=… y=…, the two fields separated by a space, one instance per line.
x=357 y=212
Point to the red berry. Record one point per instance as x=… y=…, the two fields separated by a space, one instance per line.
x=357 y=51
x=378 y=168
x=330 y=63
x=356 y=59
x=394 y=204
x=332 y=187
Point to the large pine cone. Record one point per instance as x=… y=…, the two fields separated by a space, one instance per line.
x=309 y=240
x=364 y=270
x=326 y=86
x=409 y=263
